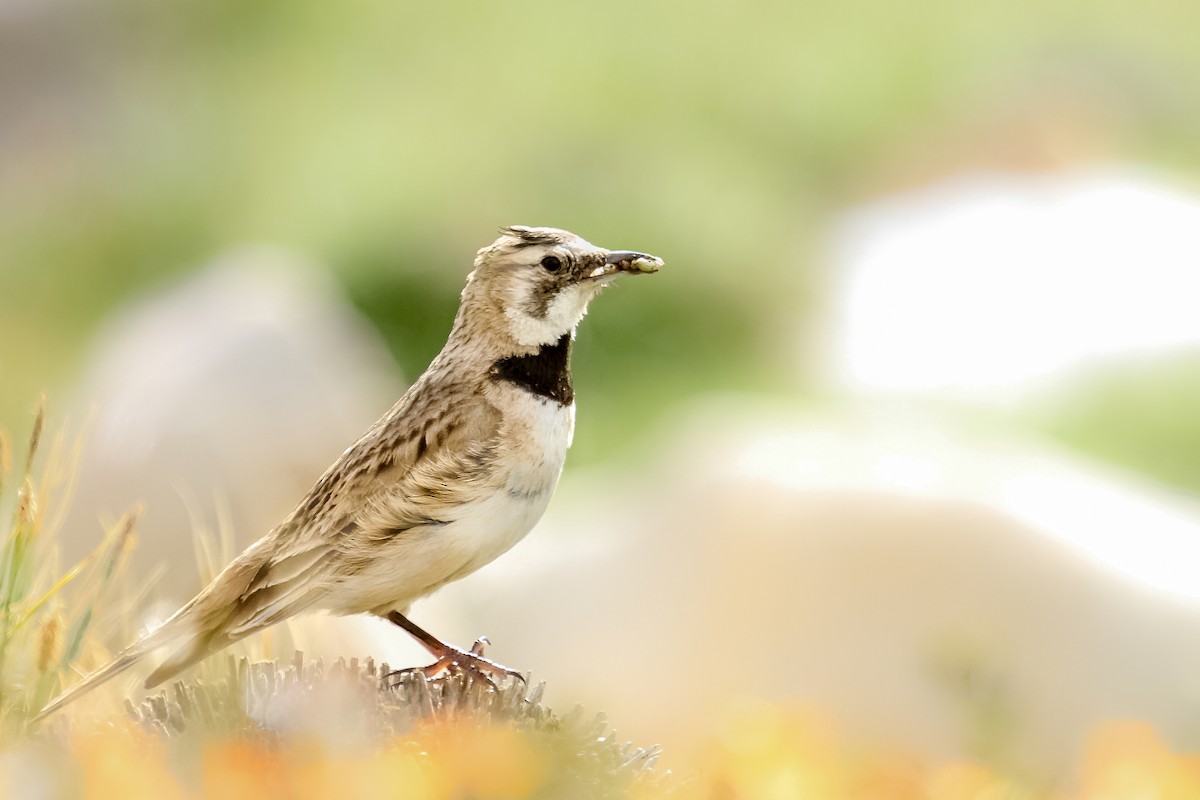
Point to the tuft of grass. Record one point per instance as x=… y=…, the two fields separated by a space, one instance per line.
x=465 y=737
x=301 y=730
x=41 y=635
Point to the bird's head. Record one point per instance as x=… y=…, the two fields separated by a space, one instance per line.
x=536 y=283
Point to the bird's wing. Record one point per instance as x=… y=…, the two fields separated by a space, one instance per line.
x=407 y=471
x=442 y=463
x=436 y=425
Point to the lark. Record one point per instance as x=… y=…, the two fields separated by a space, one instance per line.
x=452 y=476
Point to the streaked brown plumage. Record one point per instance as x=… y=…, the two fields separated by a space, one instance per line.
x=452 y=476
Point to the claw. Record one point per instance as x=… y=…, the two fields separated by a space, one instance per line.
x=471 y=662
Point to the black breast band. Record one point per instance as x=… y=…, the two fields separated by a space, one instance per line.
x=546 y=373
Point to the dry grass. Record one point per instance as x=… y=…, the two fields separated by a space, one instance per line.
x=300 y=730
x=41 y=634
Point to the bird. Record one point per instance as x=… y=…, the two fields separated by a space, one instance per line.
x=452 y=476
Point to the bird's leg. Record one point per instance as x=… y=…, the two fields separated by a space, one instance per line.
x=450 y=657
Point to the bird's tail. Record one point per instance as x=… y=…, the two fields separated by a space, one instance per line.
x=184 y=624
x=168 y=632
x=245 y=597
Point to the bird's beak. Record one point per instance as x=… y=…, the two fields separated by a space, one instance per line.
x=627 y=261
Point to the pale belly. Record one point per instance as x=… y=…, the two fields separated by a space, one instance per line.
x=478 y=531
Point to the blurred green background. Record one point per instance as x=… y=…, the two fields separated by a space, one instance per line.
x=141 y=141
x=389 y=140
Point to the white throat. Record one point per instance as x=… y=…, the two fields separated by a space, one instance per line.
x=562 y=315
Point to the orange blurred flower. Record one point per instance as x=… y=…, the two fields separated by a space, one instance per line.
x=123 y=762
x=1130 y=760
x=485 y=762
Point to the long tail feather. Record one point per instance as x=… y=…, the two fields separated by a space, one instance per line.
x=176 y=627
x=106 y=673
x=246 y=597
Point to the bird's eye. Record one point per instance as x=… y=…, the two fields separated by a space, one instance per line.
x=551 y=263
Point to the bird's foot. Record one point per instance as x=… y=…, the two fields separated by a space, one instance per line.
x=471 y=663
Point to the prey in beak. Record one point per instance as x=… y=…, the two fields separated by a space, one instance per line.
x=618 y=261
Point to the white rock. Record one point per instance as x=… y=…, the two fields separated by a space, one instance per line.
x=987 y=286
x=232 y=391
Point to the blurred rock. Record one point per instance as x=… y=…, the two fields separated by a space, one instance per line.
x=988 y=286
x=224 y=396
x=959 y=595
